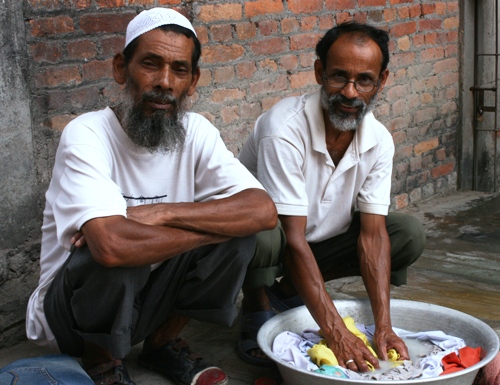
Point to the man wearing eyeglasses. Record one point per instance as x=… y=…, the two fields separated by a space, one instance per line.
x=327 y=163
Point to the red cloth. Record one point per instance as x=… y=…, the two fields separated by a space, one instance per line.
x=467 y=356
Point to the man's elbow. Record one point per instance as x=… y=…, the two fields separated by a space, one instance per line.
x=269 y=214
x=107 y=255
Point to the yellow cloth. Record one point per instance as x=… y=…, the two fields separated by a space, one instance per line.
x=322 y=355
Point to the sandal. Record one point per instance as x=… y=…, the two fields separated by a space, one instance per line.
x=250 y=325
x=177 y=361
x=110 y=373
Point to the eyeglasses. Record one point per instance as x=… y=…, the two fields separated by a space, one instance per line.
x=339 y=82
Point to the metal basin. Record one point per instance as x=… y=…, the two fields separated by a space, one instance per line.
x=409 y=315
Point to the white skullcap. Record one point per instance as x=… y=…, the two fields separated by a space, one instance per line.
x=154 y=18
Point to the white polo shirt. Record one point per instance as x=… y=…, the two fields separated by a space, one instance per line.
x=287 y=153
x=99 y=172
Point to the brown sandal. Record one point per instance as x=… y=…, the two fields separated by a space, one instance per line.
x=110 y=373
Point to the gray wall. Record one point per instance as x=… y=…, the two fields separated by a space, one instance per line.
x=19 y=195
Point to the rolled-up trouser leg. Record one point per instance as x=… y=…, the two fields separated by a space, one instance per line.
x=266 y=264
x=341 y=252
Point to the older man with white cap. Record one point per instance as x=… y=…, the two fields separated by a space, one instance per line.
x=149 y=219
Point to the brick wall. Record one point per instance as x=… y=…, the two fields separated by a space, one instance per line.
x=255 y=53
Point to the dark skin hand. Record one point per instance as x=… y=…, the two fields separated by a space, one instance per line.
x=154 y=233
x=308 y=281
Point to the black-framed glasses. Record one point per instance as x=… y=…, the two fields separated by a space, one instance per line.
x=339 y=82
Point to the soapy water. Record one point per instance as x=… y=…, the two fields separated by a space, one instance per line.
x=416 y=349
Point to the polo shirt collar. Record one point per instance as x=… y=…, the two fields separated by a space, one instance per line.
x=366 y=136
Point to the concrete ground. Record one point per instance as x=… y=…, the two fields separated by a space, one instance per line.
x=459 y=269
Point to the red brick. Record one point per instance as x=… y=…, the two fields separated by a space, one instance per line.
x=263 y=7
x=442 y=170
x=425 y=115
x=402 y=59
x=110 y=46
x=211 y=13
x=397 y=92
x=441 y=154
x=82 y=4
x=141 y=2
x=415 y=11
x=268 y=27
x=371 y=3
x=326 y=21
x=109 y=22
x=222 y=53
x=447 y=65
x=392 y=2
x=401 y=201
x=342 y=17
x=428 y=9
x=289 y=62
x=246 y=31
x=169 y=2
x=110 y=3
x=440 y=8
x=84 y=98
x=289 y=25
x=309 y=23
x=375 y=16
x=46 y=52
x=402 y=29
x=390 y=15
x=340 y=4
x=223 y=74
x=245 y=70
x=302 y=79
x=46 y=4
x=418 y=40
x=451 y=23
x=452 y=7
x=430 y=38
x=399 y=137
x=267 y=103
x=449 y=107
x=221 y=33
x=221 y=95
x=360 y=17
x=304 y=41
x=307 y=59
x=58 y=76
x=202 y=34
x=229 y=114
x=52 y=26
x=205 y=78
x=83 y=49
x=59 y=122
x=404 y=12
x=432 y=54
x=250 y=111
x=269 y=65
x=449 y=79
x=430 y=24
x=267 y=86
x=451 y=50
x=269 y=46
x=305 y=6
x=400 y=123
x=98 y=69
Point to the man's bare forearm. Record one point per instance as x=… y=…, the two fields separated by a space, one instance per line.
x=242 y=214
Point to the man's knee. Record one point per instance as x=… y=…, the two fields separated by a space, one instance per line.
x=407 y=239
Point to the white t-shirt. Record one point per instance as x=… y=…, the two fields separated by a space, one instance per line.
x=98 y=172
x=287 y=153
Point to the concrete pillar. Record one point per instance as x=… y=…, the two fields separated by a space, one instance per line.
x=19 y=192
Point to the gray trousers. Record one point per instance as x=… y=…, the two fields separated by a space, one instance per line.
x=119 y=307
x=340 y=252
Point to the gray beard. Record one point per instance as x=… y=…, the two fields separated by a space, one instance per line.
x=339 y=119
x=159 y=132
